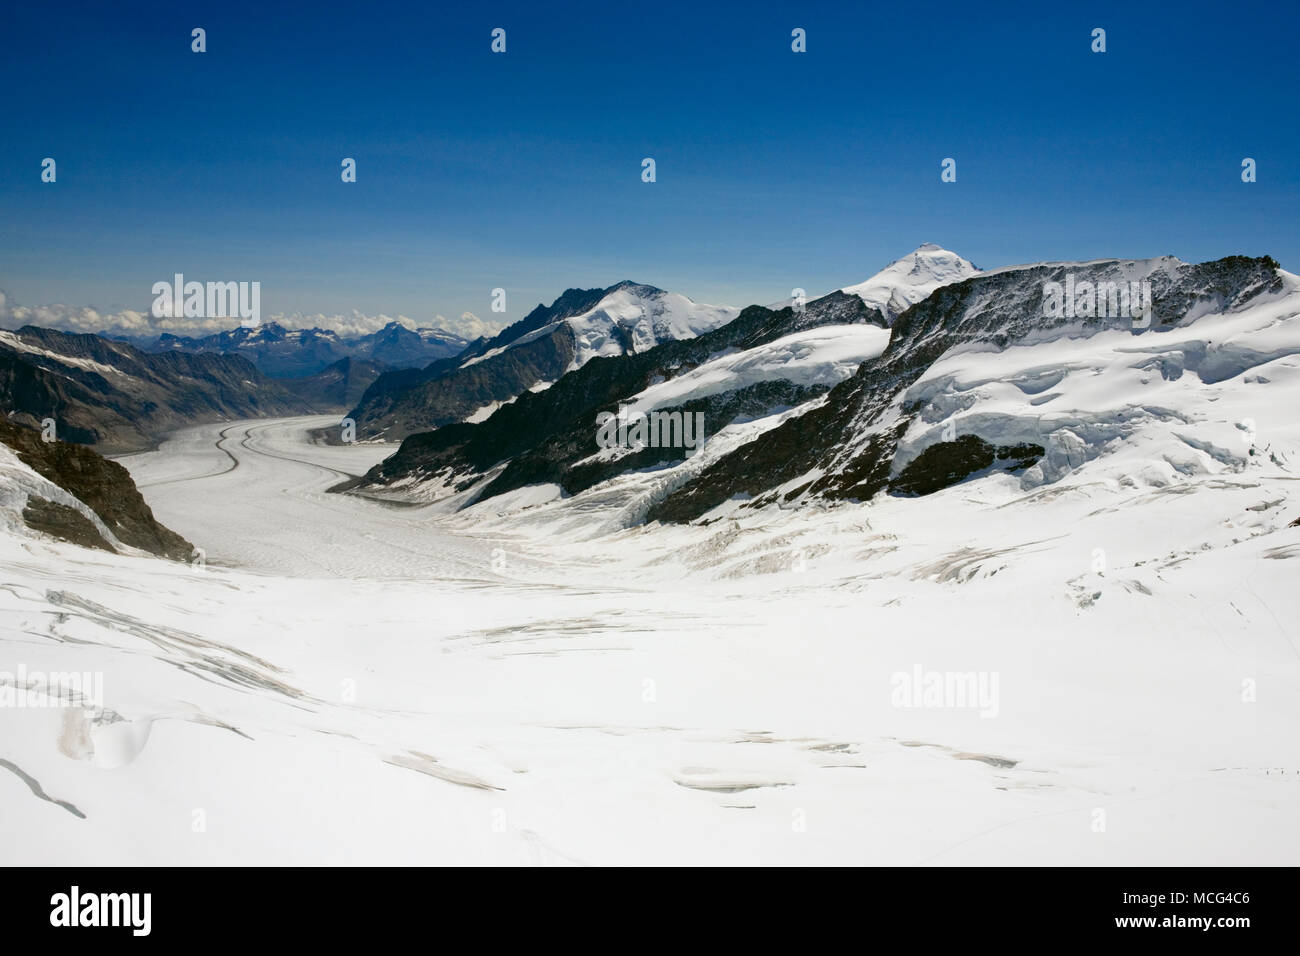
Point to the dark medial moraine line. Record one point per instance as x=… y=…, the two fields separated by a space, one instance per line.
x=36 y=788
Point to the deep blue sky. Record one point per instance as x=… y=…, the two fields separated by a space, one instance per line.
x=522 y=170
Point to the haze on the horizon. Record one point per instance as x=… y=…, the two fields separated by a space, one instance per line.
x=522 y=170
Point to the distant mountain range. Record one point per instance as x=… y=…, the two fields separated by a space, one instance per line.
x=122 y=396
x=112 y=395
x=296 y=353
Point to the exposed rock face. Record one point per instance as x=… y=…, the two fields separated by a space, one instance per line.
x=336 y=387
x=399 y=404
x=63 y=522
x=947 y=463
x=103 y=486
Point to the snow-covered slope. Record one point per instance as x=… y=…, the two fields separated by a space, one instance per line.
x=581 y=324
x=350 y=683
x=591 y=688
x=1203 y=397
x=908 y=280
x=991 y=380
x=1203 y=393
x=820 y=356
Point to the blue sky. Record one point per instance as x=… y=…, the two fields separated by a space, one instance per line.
x=523 y=170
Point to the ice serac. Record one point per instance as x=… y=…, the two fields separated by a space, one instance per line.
x=908 y=280
x=1044 y=396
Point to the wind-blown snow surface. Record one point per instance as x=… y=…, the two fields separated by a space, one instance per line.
x=351 y=682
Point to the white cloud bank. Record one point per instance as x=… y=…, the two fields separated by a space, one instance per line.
x=71 y=318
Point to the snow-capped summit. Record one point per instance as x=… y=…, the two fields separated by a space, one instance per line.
x=633 y=318
x=630 y=317
x=908 y=280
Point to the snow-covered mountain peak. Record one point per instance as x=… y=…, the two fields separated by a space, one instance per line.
x=261 y=332
x=633 y=318
x=636 y=288
x=630 y=317
x=908 y=280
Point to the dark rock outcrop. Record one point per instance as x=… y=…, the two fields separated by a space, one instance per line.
x=336 y=387
x=948 y=462
x=103 y=486
x=404 y=404
x=63 y=522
